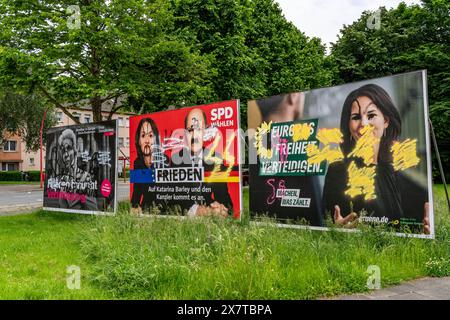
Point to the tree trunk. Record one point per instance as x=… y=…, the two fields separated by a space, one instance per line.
x=96 y=104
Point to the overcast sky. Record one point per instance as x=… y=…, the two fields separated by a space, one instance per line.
x=324 y=18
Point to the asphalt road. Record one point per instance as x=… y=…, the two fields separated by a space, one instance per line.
x=14 y=197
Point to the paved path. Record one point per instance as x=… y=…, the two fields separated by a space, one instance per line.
x=420 y=289
x=26 y=198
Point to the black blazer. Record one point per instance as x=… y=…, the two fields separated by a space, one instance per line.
x=219 y=191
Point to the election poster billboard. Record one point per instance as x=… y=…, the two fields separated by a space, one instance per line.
x=357 y=153
x=186 y=161
x=81 y=168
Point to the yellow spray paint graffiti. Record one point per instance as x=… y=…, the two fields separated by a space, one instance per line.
x=327 y=153
x=301 y=131
x=262 y=151
x=364 y=146
x=326 y=136
x=361 y=181
x=404 y=154
x=216 y=174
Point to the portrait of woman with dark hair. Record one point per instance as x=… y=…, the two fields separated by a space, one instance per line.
x=147 y=143
x=369 y=105
x=150 y=156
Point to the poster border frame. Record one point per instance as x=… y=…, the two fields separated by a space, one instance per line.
x=238 y=138
x=428 y=151
x=425 y=107
x=90 y=212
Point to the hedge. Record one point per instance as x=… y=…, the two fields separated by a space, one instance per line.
x=34 y=175
x=18 y=176
x=10 y=176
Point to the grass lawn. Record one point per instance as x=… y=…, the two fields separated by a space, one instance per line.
x=156 y=258
x=35 y=251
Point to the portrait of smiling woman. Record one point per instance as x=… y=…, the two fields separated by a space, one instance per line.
x=369 y=105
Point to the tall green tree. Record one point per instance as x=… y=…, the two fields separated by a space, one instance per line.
x=292 y=61
x=409 y=38
x=97 y=51
x=21 y=114
x=255 y=51
x=220 y=29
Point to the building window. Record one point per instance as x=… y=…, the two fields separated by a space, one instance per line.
x=120 y=122
x=10 y=146
x=76 y=115
x=31 y=161
x=120 y=142
x=59 y=117
x=12 y=166
x=127 y=122
x=127 y=142
x=87 y=118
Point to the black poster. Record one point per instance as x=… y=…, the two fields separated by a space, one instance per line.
x=343 y=156
x=80 y=168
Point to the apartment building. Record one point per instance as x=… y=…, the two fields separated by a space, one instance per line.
x=11 y=154
x=14 y=157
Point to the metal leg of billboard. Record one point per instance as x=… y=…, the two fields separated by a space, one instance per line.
x=439 y=161
x=41 y=132
x=124 y=172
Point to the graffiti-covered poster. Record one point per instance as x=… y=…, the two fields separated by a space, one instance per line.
x=186 y=161
x=81 y=168
x=352 y=154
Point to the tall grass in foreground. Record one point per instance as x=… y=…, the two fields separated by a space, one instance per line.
x=210 y=258
x=35 y=251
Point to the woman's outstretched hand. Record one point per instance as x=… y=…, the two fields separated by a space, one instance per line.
x=426 y=219
x=214 y=209
x=348 y=222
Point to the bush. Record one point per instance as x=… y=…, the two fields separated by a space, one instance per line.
x=33 y=175
x=438 y=267
x=10 y=176
x=127 y=173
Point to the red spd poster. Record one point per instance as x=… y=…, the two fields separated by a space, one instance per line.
x=186 y=161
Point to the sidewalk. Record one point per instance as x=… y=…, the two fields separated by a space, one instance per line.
x=420 y=289
x=19 y=187
x=14 y=210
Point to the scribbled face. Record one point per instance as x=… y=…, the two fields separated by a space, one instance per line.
x=196 y=129
x=146 y=139
x=68 y=152
x=365 y=112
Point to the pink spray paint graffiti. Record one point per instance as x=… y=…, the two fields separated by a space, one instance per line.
x=273 y=195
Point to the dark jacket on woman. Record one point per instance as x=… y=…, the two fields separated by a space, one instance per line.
x=388 y=202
